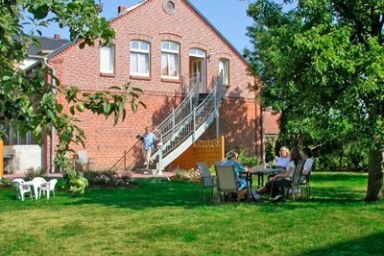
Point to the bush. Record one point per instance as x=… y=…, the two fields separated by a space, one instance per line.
x=33 y=173
x=109 y=179
x=247 y=160
x=75 y=182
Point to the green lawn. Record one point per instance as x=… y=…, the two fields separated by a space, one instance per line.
x=167 y=218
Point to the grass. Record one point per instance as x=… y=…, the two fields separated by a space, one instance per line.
x=161 y=218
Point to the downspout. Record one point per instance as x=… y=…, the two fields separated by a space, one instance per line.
x=53 y=130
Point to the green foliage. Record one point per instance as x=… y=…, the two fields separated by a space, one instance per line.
x=246 y=160
x=269 y=151
x=108 y=179
x=322 y=67
x=27 y=100
x=75 y=182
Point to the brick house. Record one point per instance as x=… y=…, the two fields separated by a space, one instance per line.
x=164 y=47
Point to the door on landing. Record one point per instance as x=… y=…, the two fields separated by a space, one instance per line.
x=197 y=70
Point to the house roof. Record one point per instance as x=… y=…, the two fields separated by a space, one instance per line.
x=46 y=44
x=142 y=3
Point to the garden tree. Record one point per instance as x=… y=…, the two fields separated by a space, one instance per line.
x=322 y=65
x=29 y=100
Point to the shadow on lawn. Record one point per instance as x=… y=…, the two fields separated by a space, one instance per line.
x=156 y=193
x=369 y=245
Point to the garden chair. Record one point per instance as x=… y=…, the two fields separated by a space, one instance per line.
x=48 y=187
x=305 y=181
x=207 y=180
x=38 y=184
x=226 y=182
x=295 y=181
x=22 y=188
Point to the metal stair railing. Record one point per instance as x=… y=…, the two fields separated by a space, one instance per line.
x=185 y=125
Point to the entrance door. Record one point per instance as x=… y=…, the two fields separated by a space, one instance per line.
x=197 y=70
x=198 y=75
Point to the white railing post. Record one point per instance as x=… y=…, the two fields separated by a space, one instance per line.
x=160 y=163
x=194 y=119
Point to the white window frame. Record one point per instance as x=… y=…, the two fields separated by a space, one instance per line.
x=170 y=51
x=140 y=51
x=225 y=62
x=110 y=57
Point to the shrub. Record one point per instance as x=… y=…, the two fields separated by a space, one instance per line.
x=75 y=182
x=32 y=173
x=247 y=160
x=109 y=179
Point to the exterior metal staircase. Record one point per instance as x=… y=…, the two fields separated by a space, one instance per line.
x=186 y=124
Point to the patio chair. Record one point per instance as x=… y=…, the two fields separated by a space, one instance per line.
x=207 y=180
x=305 y=181
x=48 y=187
x=294 y=183
x=226 y=182
x=38 y=184
x=22 y=189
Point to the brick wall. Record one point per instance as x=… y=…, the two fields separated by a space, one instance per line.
x=149 y=22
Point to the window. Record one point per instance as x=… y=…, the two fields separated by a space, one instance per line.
x=107 y=59
x=224 y=70
x=139 y=58
x=197 y=53
x=169 y=60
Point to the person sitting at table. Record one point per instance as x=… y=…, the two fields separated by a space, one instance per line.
x=242 y=182
x=307 y=156
x=281 y=180
x=283 y=160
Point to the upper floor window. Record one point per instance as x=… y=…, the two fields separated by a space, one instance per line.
x=139 y=58
x=224 y=70
x=170 y=60
x=107 y=59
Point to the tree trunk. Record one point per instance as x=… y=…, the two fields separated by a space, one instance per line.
x=375 y=175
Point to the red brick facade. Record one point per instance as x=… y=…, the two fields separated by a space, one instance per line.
x=239 y=120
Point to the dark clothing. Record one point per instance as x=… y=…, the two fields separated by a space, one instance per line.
x=276 y=187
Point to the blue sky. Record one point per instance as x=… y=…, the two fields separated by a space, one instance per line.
x=228 y=16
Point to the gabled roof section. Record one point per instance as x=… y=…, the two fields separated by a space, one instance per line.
x=141 y=4
x=216 y=31
x=129 y=9
x=46 y=45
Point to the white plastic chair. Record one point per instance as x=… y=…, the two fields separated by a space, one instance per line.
x=38 y=184
x=48 y=187
x=22 y=188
